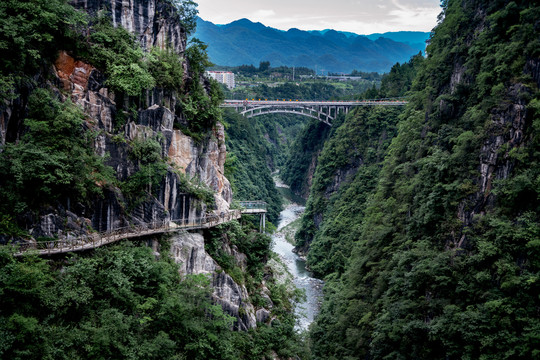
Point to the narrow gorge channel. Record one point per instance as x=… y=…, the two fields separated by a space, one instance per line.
x=302 y=278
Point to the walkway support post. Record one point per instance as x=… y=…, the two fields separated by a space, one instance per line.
x=262 y=223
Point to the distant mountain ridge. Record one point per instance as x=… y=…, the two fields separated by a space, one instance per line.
x=246 y=42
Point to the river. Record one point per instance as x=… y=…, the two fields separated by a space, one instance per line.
x=308 y=309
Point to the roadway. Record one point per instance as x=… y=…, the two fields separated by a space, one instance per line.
x=295 y=102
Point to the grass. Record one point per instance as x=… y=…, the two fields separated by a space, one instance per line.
x=289 y=231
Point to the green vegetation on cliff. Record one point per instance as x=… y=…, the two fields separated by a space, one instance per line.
x=348 y=160
x=31 y=33
x=53 y=160
x=302 y=155
x=424 y=221
x=120 y=302
x=445 y=256
x=48 y=157
x=346 y=174
x=246 y=165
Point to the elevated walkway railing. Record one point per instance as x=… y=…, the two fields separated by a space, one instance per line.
x=94 y=240
x=253 y=207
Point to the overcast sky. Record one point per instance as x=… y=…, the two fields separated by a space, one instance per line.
x=358 y=16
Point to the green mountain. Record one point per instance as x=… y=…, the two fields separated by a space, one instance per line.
x=246 y=42
x=426 y=223
x=416 y=39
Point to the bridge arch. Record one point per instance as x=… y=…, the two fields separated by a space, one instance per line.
x=317 y=114
x=325 y=111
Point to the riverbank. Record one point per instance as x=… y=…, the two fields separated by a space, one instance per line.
x=283 y=245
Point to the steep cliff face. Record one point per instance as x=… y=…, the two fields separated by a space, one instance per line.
x=188 y=250
x=506 y=132
x=202 y=162
x=142 y=156
x=299 y=168
x=446 y=246
x=344 y=175
x=154 y=22
x=150 y=121
x=155 y=25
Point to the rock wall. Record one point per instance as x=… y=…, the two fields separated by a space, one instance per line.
x=506 y=131
x=205 y=162
x=154 y=22
x=187 y=249
x=201 y=162
x=306 y=186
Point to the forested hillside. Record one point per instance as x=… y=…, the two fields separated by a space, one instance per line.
x=303 y=153
x=246 y=164
x=423 y=220
x=123 y=302
x=246 y=42
x=430 y=245
x=109 y=126
x=346 y=172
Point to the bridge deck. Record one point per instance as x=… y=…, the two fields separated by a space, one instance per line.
x=291 y=102
x=253 y=207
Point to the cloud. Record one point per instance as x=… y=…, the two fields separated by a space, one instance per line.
x=262 y=14
x=359 y=16
x=410 y=17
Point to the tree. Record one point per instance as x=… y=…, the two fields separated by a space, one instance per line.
x=31 y=32
x=264 y=65
x=52 y=160
x=188 y=12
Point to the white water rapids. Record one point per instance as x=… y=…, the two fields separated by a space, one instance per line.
x=308 y=309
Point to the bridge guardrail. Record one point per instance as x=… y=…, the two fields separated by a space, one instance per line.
x=325 y=110
x=285 y=102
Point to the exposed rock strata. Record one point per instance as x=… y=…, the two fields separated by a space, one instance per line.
x=506 y=132
x=200 y=162
x=187 y=249
x=154 y=22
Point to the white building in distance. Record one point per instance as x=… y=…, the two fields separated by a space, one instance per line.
x=223 y=77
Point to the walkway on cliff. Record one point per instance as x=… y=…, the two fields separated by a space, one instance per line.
x=95 y=240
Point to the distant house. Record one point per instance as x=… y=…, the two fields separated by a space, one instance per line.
x=344 y=77
x=223 y=77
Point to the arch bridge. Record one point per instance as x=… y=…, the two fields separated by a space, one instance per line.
x=325 y=111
